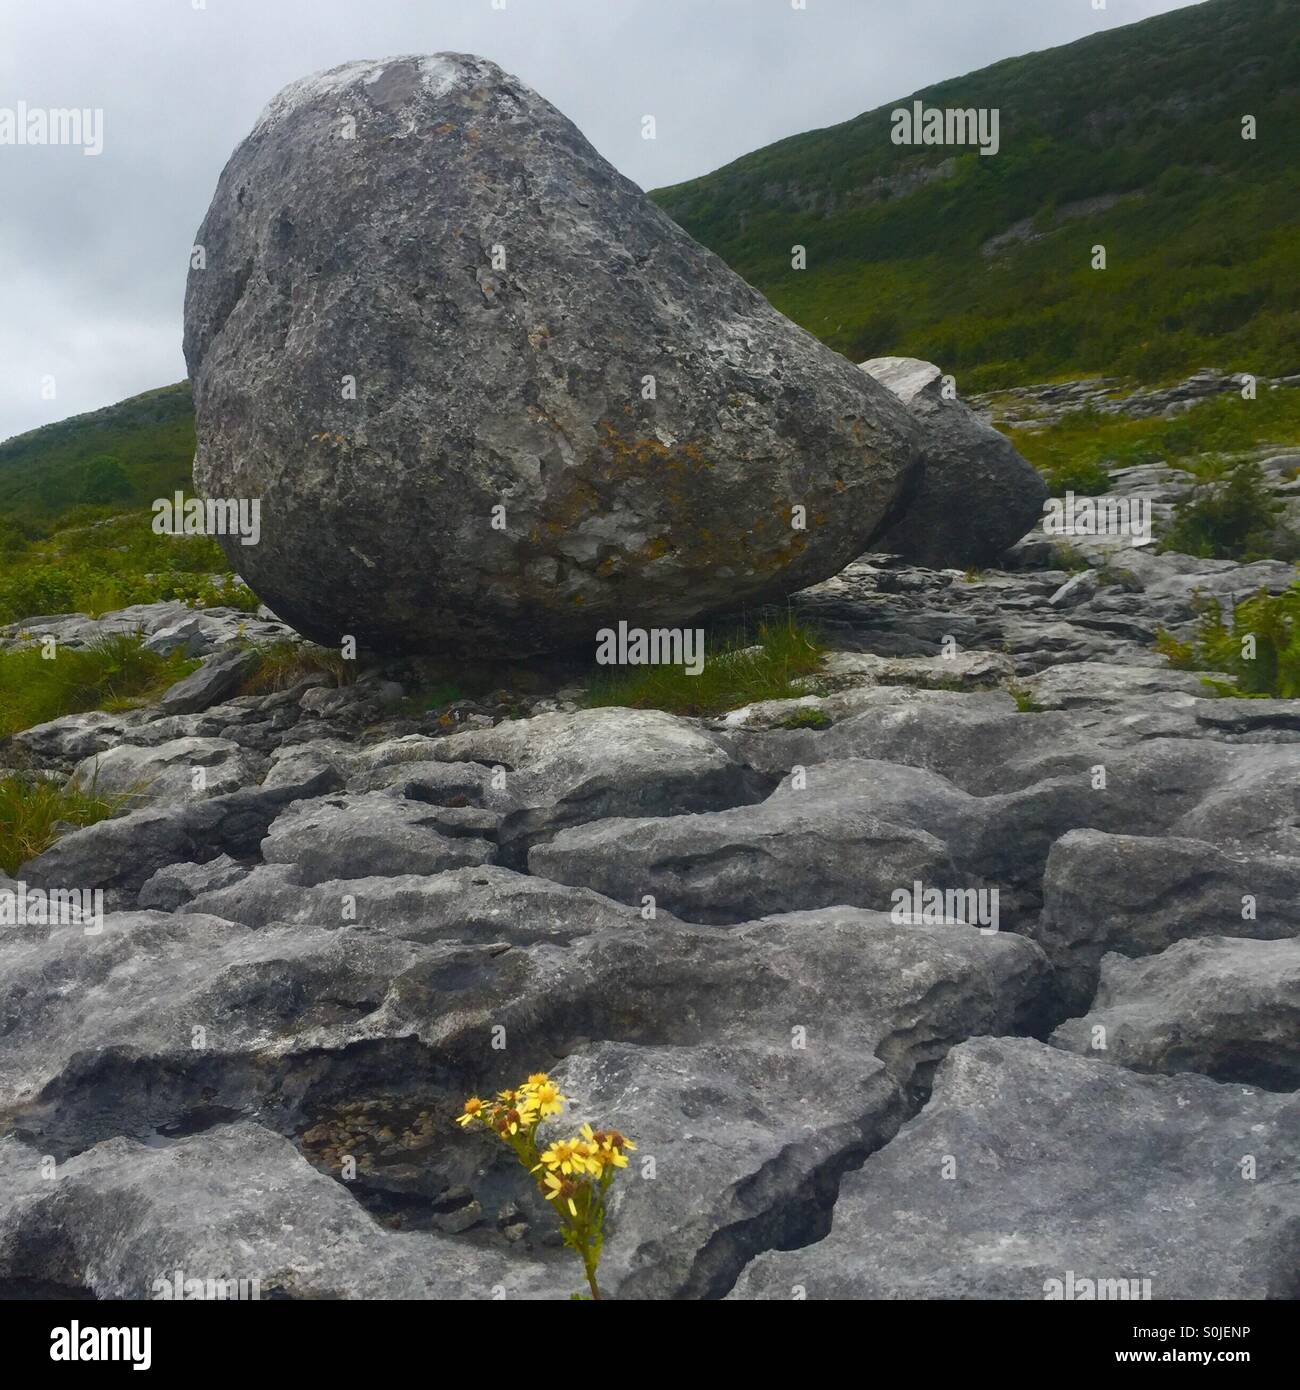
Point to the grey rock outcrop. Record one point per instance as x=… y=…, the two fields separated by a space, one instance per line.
x=425 y=297
x=1223 y=1006
x=1058 y=1165
x=976 y=495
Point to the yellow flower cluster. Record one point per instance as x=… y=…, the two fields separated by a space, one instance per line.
x=574 y=1173
x=590 y=1154
x=520 y=1110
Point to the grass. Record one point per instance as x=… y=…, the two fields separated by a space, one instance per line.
x=1259 y=649
x=32 y=808
x=767 y=662
x=112 y=673
x=806 y=719
x=1024 y=698
x=282 y=665
x=95 y=567
x=1082 y=447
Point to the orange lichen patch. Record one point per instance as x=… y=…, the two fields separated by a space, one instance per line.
x=326 y=435
x=839 y=484
x=444 y=127
x=538 y=336
x=761 y=544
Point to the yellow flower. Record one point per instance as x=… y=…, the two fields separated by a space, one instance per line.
x=473 y=1111
x=547 y=1098
x=538 y=1078
x=613 y=1140
x=567 y=1155
x=561 y=1187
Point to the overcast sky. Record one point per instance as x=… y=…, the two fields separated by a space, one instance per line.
x=93 y=250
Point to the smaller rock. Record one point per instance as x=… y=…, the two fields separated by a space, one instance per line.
x=976 y=496
x=1226 y=1007
x=177 y=884
x=216 y=680
x=1076 y=590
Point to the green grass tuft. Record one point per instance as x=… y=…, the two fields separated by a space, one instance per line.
x=31 y=809
x=1259 y=649
x=741 y=668
x=112 y=673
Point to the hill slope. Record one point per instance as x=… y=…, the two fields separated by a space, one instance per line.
x=126 y=454
x=1131 y=139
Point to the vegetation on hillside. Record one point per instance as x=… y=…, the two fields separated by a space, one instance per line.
x=1203 y=265
x=1257 y=645
x=1083 y=446
x=90 y=466
x=96 y=567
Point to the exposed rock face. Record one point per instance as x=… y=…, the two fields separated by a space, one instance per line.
x=976 y=495
x=436 y=233
x=1229 y=1008
x=1062 y=1164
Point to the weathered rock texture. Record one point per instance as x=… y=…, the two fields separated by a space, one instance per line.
x=976 y=495
x=435 y=232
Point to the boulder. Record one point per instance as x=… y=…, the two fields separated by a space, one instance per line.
x=428 y=303
x=976 y=496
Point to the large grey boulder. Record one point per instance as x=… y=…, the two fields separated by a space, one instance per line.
x=1031 y=1170
x=425 y=296
x=976 y=495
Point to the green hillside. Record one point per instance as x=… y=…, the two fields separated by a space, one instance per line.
x=107 y=461
x=1199 y=224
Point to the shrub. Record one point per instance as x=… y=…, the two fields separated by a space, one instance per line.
x=1259 y=650
x=1232 y=518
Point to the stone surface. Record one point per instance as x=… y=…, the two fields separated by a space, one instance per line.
x=1138 y=894
x=288 y=976
x=1062 y=1164
x=168 y=771
x=1227 y=1007
x=218 y=678
x=238 y=1203
x=370 y=833
x=976 y=495
x=481 y=385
